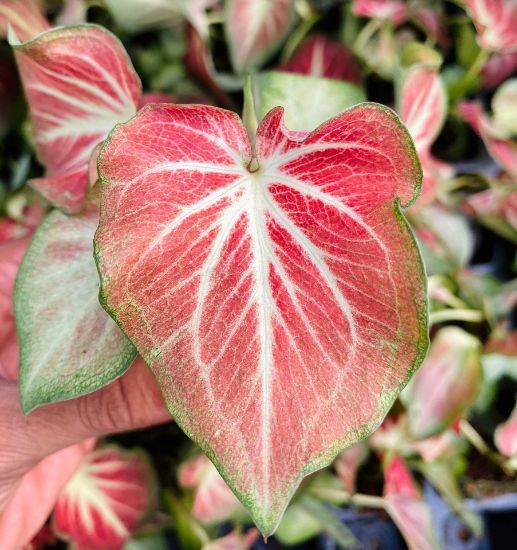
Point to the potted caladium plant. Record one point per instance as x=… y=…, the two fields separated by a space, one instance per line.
x=221 y=223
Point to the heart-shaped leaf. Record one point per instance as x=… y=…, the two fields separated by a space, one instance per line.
x=69 y=346
x=254 y=28
x=105 y=500
x=277 y=294
x=79 y=83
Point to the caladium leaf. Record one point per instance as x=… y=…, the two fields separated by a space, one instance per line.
x=504 y=106
x=214 y=501
x=497 y=209
x=406 y=507
x=506 y=436
x=389 y=10
x=69 y=346
x=254 y=28
x=105 y=500
x=24 y=17
x=79 y=83
x=423 y=107
x=20 y=517
x=498 y=68
x=446 y=385
x=496 y=23
x=347 y=464
x=502 y=149
x=322 y=57
x=307 y=101
x=278 y=298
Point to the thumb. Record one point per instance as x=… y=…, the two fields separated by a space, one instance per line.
x=133 y=401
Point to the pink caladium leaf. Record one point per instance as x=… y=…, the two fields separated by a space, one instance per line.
x=69 y=346
x=406 y=507
x=322 y=57
x=276 y=293
x=214 y=501
x=447 y=383
x=506 y=436
x=498 y=68
x=496 y=23
x=106 y=499
x=254 y=28
x=79 y=83
x=502 y=149
x=390 y=10
x=21 y=517
x=423 y=108
x=24 y=17
x=348 y=462
x=497 y=209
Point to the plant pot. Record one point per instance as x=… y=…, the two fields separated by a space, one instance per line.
x=499 y=516
x=373 y=530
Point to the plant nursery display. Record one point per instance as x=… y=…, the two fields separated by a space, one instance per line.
x=258 y=274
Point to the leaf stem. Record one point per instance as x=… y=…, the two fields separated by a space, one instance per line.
x=298 y=35
x=480 y=445
x=469 y=315
x=249 y=114
x=364 y=36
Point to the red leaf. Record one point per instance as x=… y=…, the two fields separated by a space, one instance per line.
x=281 y=309
x=254 y=28
x=504 y=151
x=104 y=502
x=446 y=384
x=79 y=83
x=498 y=68
x=406 y=507
x=213 y=499
x=496 y=23
x=506 y=436
x=24 y=16
x=391 y=10
x=28 y=508
x=322 y=57
x=423 y=107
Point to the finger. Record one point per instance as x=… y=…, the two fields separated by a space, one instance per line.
x=131 y=402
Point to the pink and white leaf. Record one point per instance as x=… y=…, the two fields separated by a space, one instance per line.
x=395 y=11
x=24 y=17
x=347 y=464
x=423 y=105
x=79 y=83
x=506 y=436
x=264 y=299
x=73 y=12
x=446 y=384
x=254 y=29
x=406 y=507
x=496 y=23
x=214 y=501
x=503 y=151
x=21 y=517
x=106 y=499
x=322 y=57
x=498 y=68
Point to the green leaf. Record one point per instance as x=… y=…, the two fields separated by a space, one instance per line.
x=69 y=346
x=308 y=101
x=331 y=525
